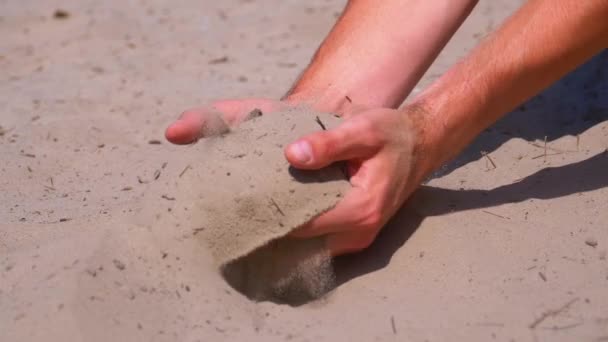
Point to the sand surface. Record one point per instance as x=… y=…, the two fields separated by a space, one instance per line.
x=96 y=237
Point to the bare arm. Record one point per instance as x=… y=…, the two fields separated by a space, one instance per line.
x=375 y=54
x=393 y=151
x=543 y=41
x=378 y=51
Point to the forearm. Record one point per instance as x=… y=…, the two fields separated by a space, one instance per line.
x=378 y=51
x=543 y=41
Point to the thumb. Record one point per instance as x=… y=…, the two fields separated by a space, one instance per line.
x=348 y=141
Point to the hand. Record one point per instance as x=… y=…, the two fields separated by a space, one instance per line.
x=196 y=123
x=382 y=147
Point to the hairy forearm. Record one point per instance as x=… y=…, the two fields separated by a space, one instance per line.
x=378 y=51
x=543 y=41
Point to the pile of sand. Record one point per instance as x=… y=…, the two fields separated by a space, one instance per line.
x=251 y=199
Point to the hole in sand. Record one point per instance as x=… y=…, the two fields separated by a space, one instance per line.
x=284 y=271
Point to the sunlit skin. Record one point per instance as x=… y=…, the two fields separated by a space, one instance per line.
x=391 y=151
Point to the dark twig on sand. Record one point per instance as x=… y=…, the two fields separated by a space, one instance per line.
x=277 y=206
x=549 y=148
x=552 y=313
x=393 y=325
x=493 y=214
x=197 y=230
x=485 y=154
x=545 y=153
x=565 y=327
x=348 y=99
x=219 y=60
x=320 y=123
x=184 y=171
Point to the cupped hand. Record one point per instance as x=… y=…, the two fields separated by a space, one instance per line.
x=382 y=148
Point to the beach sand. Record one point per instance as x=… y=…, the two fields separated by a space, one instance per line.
x=98 y=239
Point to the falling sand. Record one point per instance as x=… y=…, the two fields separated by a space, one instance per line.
x=257 y=199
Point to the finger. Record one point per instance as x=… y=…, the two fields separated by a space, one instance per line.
x=353 y=212
x=349 y=242
x=196 y=123
x=236 y=111
x=352 y=139
x=187 y=128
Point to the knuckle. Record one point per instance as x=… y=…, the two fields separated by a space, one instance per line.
x=371 y=132
x=371 y=217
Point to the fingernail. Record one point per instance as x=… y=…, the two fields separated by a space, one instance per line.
x=302 y=151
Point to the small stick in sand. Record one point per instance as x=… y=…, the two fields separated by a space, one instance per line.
x=197 y=230
x=485 y=154
x=320 y=123
x=184 y=171
x=549 y=148
x=277 y=206
x=545 y=154
x=491 y=213
x=570 y=326
x=393 y=325
x=542 y=276
x=348 y=99
x=551 y=313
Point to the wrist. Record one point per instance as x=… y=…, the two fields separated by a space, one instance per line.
x=426 y=151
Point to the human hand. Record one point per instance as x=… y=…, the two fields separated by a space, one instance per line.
x=382 y=147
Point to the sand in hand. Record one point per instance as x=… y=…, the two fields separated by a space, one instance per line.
x=253 y=199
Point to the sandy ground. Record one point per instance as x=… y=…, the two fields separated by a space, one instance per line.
x=508 y=248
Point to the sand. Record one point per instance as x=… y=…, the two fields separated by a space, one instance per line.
x=98 y=238
x=250 y=198
x=249 y=194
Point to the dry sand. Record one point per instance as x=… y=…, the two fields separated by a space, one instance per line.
x=97 y=238
x=247 y=199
